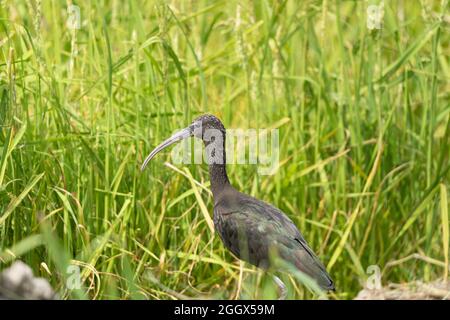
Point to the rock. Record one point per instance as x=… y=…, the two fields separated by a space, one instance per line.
x=18 y=282
x=417 y=290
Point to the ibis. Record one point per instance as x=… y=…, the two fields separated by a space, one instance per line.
x=251 y=229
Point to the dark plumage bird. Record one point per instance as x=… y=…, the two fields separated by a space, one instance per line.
x=250 y=228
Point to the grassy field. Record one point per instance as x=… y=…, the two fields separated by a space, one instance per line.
x=363 y=117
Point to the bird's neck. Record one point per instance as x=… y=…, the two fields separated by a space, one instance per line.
x=219 y=179
x=216 y=155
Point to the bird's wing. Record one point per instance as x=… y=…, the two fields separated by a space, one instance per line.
x=250 y=228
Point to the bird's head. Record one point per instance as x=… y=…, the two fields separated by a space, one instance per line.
x=206 y=127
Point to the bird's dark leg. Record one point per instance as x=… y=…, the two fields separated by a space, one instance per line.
x=282 y=288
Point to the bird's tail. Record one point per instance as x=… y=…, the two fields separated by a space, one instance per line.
x=307 y=262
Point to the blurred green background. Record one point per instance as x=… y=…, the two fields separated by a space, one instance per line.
x=363 y=116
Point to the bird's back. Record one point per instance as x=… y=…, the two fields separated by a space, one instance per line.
x=253 y=230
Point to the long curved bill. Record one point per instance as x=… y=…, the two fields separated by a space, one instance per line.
x=180 y=135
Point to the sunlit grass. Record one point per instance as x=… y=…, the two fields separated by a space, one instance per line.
x=364 y=135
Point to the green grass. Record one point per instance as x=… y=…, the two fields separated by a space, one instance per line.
x=364 y=135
